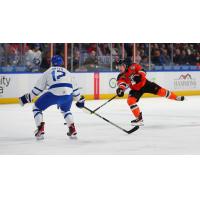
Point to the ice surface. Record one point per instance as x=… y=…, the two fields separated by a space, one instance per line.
x=171 y=127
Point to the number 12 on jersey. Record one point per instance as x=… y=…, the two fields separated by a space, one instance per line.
x=57 y=74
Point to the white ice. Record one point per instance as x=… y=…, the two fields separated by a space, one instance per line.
x=170 y=127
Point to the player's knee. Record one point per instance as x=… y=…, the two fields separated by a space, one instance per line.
x=131 y=100
x=35 y=108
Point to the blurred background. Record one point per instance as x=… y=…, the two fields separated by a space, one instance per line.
x=91 y=57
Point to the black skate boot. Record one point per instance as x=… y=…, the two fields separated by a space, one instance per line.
x=138 y=121
x=39 y=133
x=72 y=131
x=180 y=98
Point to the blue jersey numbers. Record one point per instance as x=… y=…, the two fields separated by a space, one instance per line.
x=57 y=74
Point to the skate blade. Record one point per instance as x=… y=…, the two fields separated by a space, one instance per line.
x=137 y=124
x=185 y=99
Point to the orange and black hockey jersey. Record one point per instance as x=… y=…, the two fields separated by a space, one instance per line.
x=125 y=79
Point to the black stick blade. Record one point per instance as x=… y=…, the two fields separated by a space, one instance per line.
x=135 y=128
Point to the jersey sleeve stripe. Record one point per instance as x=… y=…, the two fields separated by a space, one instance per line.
x=75 y=90
x=38 y=89
x=34 y=93
x=122 y=84
x=75 y=95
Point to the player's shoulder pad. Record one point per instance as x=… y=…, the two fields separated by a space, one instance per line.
x=143 y=70
x=135 y=66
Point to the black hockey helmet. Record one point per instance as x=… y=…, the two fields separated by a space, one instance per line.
x=121 y=62
x=127 y=62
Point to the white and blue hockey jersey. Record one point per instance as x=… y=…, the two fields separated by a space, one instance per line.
x=58 y=81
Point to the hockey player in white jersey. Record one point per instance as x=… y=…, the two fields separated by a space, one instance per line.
x=61 y=90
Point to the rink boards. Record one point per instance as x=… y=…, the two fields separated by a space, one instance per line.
x=100 y=85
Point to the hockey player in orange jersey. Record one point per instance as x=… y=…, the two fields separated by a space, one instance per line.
x=134 y=77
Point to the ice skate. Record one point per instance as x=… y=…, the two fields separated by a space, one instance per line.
x=138 y=121
x=72 y=132
x=39 y=133
x=180 y=98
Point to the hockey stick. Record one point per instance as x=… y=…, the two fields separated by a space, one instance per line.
x=135 y=128
x=93 y=111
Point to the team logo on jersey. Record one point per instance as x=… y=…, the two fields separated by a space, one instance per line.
x=185 y=81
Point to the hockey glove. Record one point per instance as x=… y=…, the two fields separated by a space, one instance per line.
x=81 y=102
x=137 y=78
x=120 y=92
x=26 y=98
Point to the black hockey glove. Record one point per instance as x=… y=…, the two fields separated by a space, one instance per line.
x=26 y=98
x=137 y=78
x=120 y=92
x=81 y=102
